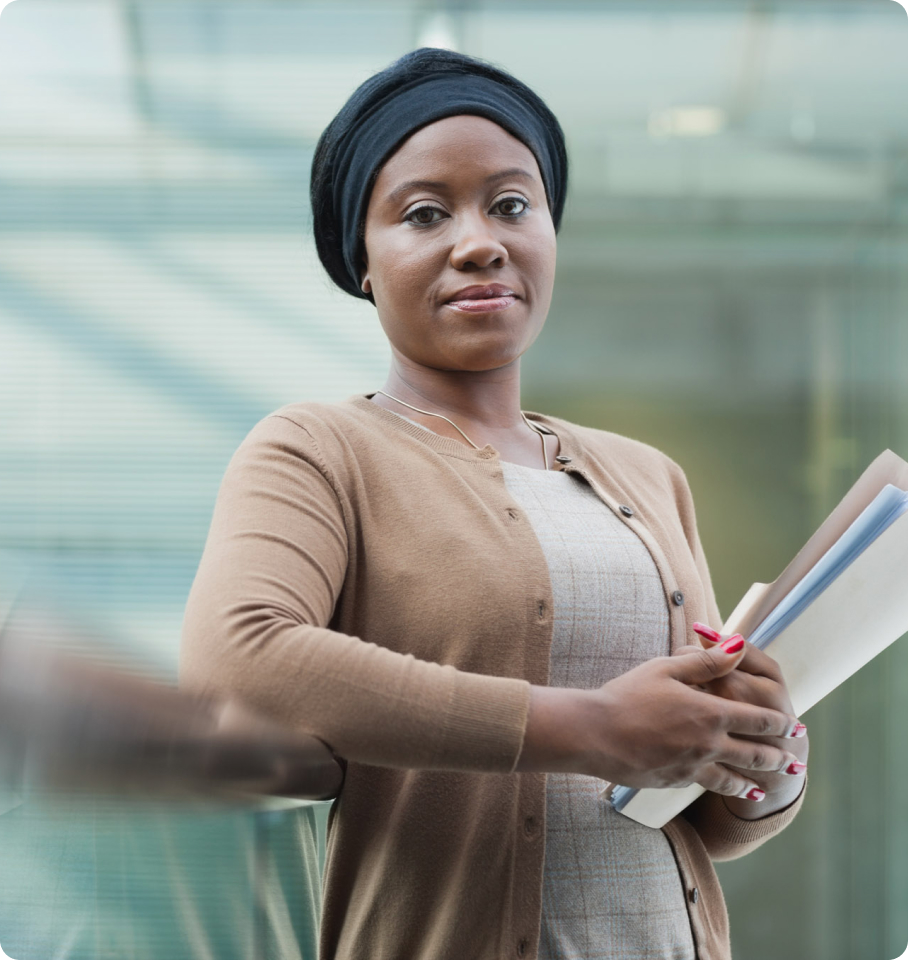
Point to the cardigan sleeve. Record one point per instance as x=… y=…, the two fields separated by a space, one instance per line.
x=256 y=627
x=725 y=835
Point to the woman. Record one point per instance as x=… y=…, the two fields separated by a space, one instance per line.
x=473 y=606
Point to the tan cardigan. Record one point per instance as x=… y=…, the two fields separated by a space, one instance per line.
x=374 y=584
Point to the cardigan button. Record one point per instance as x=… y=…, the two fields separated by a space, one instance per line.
x=522 y=947
x=529 y=826
x=694 y=895
x=678 y=598
x=563 y=459
x=513 y=514
x=626 y=510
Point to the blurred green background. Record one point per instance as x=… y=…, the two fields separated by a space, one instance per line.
x=732 y=287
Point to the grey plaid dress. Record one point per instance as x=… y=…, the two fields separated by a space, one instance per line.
x=611 y=889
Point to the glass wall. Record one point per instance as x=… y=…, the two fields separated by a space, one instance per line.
x=732 y=288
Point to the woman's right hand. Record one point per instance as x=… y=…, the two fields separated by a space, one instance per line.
x=653 y=727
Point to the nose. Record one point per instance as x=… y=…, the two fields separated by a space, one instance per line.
x=476 y=246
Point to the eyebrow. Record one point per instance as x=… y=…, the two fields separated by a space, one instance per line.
x=440 y=184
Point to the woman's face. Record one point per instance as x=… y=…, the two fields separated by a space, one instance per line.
x=460 y=247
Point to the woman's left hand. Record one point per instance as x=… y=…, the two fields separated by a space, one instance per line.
x=758 y=680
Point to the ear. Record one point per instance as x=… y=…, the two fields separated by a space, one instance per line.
x=365 y=283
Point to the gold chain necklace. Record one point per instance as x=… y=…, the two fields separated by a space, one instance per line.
x=428 y=413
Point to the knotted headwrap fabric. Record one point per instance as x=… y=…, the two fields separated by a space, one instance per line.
x=419 y=89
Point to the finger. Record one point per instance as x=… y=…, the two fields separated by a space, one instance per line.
x=706 y=633
x=754 y=661
x=748 y=689
x=688 y=648
x=731 y=687
x=682 y=651
x=744 y=687
x=720 y=686
x=745 y=718
x=753 y=755
x=701 y=666
x=760 y=664
x=720 y=779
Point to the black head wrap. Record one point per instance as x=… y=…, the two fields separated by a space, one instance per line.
x=420 y=88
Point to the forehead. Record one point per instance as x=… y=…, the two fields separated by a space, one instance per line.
x=464 y=144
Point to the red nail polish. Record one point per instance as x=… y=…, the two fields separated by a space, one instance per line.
x=707 y=632
x=799 y=731
x=733 y=644
x=796 y=768
x=756 y=794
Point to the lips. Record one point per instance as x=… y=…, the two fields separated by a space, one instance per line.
x=482 y=299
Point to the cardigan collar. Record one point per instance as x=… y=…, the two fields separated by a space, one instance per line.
x=450 y=447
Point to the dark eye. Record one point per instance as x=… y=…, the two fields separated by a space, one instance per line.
x=512 y=206
x=423 y=216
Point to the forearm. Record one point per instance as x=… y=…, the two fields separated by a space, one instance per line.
x=370 y=704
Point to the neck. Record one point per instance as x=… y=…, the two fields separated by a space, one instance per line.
x=488 y=399
x=478 y=408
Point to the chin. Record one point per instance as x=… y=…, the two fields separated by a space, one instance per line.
x=480 y=362
x=485 y=352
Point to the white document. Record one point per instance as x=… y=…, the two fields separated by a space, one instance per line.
x=888 y=505
x=846 y=607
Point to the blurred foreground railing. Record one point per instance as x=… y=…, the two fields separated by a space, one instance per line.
x=71 y=725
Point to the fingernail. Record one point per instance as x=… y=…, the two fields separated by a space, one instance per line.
x=753 y=793
x=733 y=644
x=707 y=632
x=796 y=768
x=798 y=731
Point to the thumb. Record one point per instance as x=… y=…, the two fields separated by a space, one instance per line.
x=701 y=666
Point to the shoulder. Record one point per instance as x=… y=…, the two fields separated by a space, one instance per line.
x=318 y=426
x=303 y=452
x=316 y=418
x=339 y=440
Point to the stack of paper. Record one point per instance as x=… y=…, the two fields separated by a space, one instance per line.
x=839 y=603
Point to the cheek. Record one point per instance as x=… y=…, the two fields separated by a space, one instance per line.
x=539 y=262
x=540 y=245
x=403 y=271
x=402 y=279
